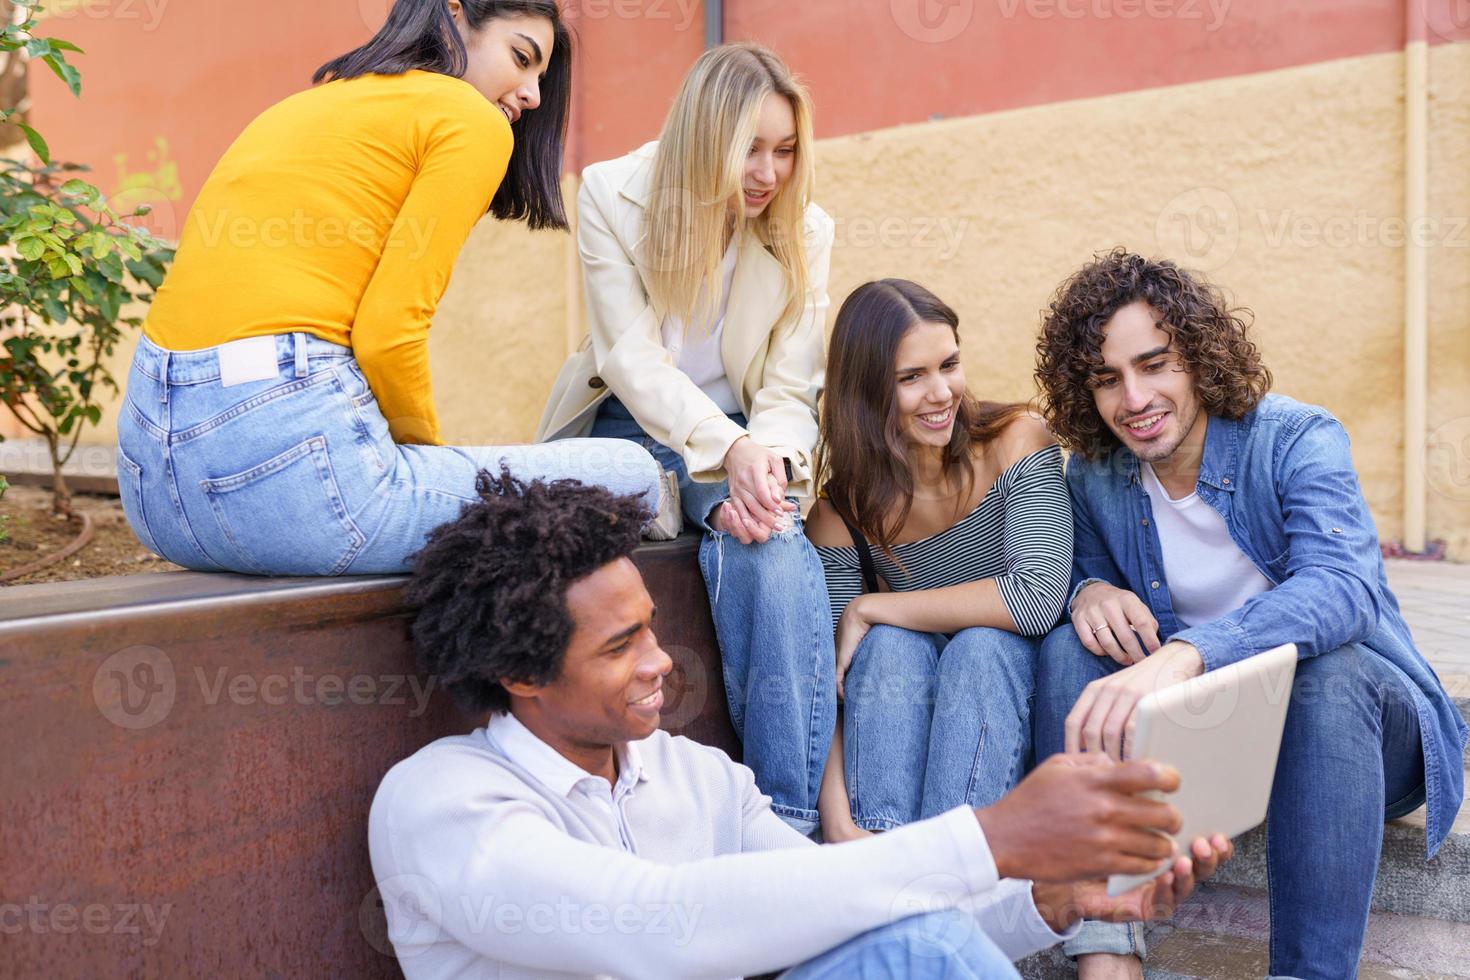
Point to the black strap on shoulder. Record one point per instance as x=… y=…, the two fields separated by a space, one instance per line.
x=864 y=552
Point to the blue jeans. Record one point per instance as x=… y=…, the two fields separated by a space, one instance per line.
x=297 y=475
x=931 y=723
x=935 y=946
x=774 y=626
x=1351 y=758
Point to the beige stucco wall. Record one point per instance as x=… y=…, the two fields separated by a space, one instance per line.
x=1282 y=186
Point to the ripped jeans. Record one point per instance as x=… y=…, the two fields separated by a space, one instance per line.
x=774 y=627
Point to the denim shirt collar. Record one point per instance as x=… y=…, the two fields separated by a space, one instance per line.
x=1219 y=467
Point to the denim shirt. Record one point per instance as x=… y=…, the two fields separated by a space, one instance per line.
x=1282 y=478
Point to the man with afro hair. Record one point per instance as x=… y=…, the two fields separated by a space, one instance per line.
x=571 y=837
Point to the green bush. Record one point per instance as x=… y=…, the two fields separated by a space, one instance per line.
x=69 y=268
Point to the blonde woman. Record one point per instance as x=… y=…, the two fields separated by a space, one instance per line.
x=706 y=275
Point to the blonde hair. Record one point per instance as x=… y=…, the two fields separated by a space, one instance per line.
x=700 y=167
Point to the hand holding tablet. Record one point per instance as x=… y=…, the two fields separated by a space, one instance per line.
x=1221 y=732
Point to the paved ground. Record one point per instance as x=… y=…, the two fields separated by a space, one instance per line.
x=1435 y=597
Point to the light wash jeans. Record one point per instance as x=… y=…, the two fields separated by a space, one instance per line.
x=297 y=475
x=774 y=626
x=932 y=722
x=1351 y=759
x=936 y=946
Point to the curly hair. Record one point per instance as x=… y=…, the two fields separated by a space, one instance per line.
x=489 y=588
x=1207 y=332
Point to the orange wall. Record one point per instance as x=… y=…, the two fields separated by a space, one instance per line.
x=194 y=72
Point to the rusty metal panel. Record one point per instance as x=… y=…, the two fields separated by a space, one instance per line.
x=189 y=766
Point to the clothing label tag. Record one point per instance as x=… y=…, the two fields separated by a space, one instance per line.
x=251 y=359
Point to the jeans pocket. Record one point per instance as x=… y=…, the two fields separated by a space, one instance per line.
x=130 y=489
x=286 y=516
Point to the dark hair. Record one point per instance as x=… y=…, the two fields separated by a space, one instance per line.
x=1207 y=332
x=489 y=588
x=862 y=458
x=421 y=34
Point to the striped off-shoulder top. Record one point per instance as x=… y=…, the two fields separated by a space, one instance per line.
x=1020 y=534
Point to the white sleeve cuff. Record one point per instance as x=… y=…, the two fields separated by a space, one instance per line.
x=1008 y=915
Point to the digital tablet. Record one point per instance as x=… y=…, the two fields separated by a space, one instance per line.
x=1222 y=732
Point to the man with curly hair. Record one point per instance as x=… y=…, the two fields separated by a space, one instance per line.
x=1214 y=521
x=571 y=837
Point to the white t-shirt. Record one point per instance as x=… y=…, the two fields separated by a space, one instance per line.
x=1208 y=574
x=696 y=350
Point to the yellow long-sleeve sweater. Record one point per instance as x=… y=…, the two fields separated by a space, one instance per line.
x=339 y=212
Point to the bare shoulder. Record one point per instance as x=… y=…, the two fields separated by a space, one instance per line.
x=825 y=529
x=1022 y=436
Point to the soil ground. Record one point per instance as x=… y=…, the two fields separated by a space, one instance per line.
x=25 y=512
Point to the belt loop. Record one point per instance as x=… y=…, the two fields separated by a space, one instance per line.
x=300 y=342
x=163 y=382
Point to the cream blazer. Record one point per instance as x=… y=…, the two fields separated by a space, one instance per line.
x=776 y=369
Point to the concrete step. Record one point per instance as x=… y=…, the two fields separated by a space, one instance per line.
x=1222 y=934
x=1406 y=883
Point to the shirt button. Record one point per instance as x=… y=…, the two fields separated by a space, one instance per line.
x=1145 y=522
x=1153 y=585
x=1226 y=481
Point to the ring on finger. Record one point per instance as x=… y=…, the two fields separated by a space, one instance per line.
x=1098 y=629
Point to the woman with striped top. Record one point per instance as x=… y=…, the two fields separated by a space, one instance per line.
x=959 y=510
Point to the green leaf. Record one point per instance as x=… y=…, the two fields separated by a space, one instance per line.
x=55 y=310
x=66 y=72
x=30 y=249
x=73 y=263
x=37 y=143
x=101 y=245
x=77 y=186
x=145 y=271
x=129 y=248
x=61 y=45
x=38 y=47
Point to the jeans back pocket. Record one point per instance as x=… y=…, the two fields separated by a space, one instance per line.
x=286 y=516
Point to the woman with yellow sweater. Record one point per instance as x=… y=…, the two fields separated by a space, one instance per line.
x=279 y=416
